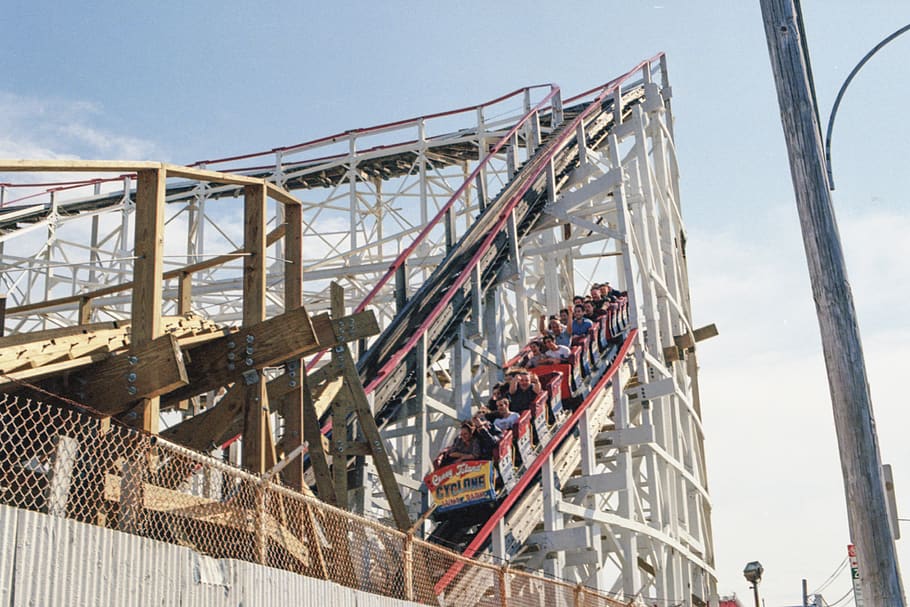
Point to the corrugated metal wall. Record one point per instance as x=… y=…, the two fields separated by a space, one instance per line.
x=49 y=561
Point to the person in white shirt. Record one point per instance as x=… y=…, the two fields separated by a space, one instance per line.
x=555 y=351
x=506 y=418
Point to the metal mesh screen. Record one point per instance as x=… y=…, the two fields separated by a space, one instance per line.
x=64 y=462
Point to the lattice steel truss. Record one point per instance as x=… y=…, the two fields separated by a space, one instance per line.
x=631 y=512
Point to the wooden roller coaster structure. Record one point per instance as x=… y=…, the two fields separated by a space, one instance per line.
x=341 y=304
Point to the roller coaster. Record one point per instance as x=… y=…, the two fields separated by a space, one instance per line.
x=457 y=230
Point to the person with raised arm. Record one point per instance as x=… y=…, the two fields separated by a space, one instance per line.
x=524 y=386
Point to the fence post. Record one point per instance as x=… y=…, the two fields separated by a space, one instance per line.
x=504 y=586
x=131 y=515
x=261 y=539
x=408 y=558
x=577 y=599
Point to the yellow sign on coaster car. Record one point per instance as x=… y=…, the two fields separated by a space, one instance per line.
x=461 y=484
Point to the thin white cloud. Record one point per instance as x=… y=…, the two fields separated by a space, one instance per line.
x=56 y=128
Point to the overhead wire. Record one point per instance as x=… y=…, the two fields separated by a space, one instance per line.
x=837 y=571
x=848 y=594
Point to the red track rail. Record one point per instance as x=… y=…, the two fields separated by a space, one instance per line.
x=535 y=466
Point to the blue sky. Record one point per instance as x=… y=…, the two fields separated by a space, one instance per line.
x=191 y=80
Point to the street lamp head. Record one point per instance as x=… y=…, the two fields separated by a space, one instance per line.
x=753 y=572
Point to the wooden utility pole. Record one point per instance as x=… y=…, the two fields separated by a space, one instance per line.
x=853 y=419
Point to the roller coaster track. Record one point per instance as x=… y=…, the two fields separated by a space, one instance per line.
x=444 y=301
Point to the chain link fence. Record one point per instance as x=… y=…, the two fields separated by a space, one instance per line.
x=64 y=462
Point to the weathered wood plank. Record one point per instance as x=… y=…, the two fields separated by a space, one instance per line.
x=147 y=371
x=292 y=403
x=8 y=165
x=223 y=360
x=61 y=332
x=258 y=446
x=705 y=332
x=147 y=280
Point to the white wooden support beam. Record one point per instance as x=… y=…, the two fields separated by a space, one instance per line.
x=460 y=371
x=627 y=437
x=441 y=407
x=498 y=542
x=583 y=222
x=616 y=521
x=604 y=482
x=552 y=519
x=423 y=461
x=521 y=303
x=562 y=540
x=483 y=355
x=595 y=191
x=653 y=390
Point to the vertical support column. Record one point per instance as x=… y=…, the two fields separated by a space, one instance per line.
x=460 y=371
x=480 y=182
x=49 y=246
x=146 y=326
x=377 y=210
x=477 y=303
x=535 y=136
x=631 y=575
x=147 y=273
x=184 y=306
x=521 y=300
x=123 y=251
x=588 y=467
x=650 y=240
x=94 y=259
x=511 y=150
x=342 y=432
x=557 y=110
x=401 y=286
x=185 y=293
x=640 y=226
x=552 y=519
x=504 y=586
x=617 y=106
x=353 y=215
x=492 y=330
x=666 y=92
x=552 y=293
x=422 y=421
x=498 y=542
x=423 y=185
x=293 y=295
x=85 y=310
x=407 y=556
x=627 y=275
x=258 y=448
